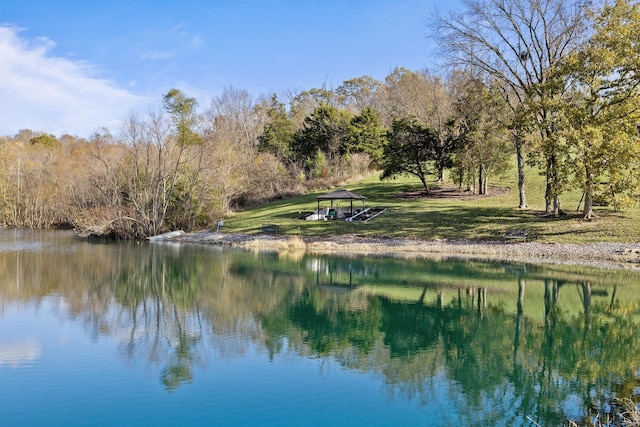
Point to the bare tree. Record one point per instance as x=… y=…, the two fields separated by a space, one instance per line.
x=404 y=95
x=357 y=94
x=232 y=126
x=516 y=42
x=149 y=173
x=32 y=177
x=302 y=103
x=145 y=177
x=234 y=112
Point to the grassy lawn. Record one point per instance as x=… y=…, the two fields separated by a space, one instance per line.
x=484 y=218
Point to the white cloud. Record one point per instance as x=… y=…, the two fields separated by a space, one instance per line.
x=42 y=92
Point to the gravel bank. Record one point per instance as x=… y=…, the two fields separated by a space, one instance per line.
x=602 y=255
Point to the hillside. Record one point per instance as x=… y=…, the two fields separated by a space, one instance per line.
x=448 y=213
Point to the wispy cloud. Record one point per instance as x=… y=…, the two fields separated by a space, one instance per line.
x=158 y=55
x=196 y=41
x=192 y=40
x=43 y=92
x=170 y=44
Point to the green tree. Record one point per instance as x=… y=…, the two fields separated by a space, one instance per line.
x=277 y=135
x=411 y=150
x=602 y=109
x=183 y=199
x=46 y=140
x=318 y=166
x=325 y=129
x=516 y=43
x=426 y=97
x=367 y=135
x=484 y=146
x=183 y=114
x=303 y=104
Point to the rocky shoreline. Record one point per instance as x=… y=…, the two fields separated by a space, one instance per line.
x=601 y=255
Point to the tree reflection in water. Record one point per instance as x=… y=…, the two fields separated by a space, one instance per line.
x=501 y=336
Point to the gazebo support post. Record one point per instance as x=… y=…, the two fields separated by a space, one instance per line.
x=342 y=195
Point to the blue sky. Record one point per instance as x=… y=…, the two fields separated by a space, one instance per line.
x=75 y=66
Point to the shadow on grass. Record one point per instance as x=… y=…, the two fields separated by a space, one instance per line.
x=483 y=218
x=462 y=222
x=412 y=221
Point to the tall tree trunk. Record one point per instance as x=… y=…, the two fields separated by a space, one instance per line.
x=587 y=212
x=482 y=180
x=552 y=198
x=423 y=180
x=485 y=183
x=520 y=159
x=548 y=192
x=557 y=207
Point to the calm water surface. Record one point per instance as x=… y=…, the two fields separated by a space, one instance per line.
x=104 y=333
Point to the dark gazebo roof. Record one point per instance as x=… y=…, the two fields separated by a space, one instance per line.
x=340 y=195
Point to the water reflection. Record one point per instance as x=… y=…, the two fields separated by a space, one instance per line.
x=19 y=354
x=513 y=342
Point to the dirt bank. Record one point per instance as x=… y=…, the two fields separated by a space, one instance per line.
x=603 y=255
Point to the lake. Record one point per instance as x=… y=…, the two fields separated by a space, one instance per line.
x=126 y=333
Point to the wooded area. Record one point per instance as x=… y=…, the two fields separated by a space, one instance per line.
x=554 y=83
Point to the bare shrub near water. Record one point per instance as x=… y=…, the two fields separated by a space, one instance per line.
x=114 y=222
x=627 y=415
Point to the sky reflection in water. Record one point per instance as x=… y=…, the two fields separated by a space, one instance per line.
x=121 y=333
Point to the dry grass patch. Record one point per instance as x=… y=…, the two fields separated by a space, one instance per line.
x=276 y=243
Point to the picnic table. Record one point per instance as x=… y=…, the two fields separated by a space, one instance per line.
x=516 y=234
x=270 y=228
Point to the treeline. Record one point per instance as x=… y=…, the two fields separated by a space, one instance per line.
x=556 y=84
x=180 y=168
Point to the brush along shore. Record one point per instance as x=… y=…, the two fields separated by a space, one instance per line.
x=602 y=254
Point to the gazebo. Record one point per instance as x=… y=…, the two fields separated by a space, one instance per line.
x=341 y=195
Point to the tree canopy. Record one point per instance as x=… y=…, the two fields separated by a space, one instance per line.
x=412 y=150
x=601 y=110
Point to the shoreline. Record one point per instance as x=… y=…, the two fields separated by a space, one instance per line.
x=599 y=255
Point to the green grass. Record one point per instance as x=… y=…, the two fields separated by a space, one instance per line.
x=483 y=218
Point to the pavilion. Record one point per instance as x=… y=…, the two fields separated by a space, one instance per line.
x=341 y=195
